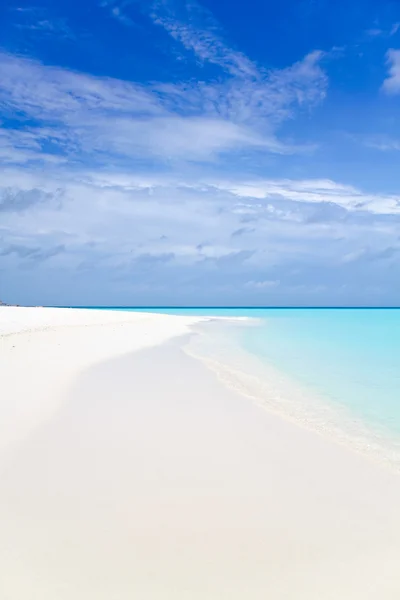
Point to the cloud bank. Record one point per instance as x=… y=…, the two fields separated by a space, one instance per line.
x=151 y=192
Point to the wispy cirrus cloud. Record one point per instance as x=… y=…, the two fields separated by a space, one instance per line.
x=192 y=26
x=263 y=102
x=391 y=85
x=185 y=23
x=47 y=93
x=78 y=115
x=37 y=20
x=385 y=32
x=248 y=92
x=383 y=143
x=141 y=184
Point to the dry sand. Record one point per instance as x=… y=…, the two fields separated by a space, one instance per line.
x=42 y=350
x=141 y=476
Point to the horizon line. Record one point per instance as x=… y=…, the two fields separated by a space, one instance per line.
x=152 y=307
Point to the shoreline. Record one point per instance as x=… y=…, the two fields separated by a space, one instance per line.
x=274 y=390
x=280 y=393
x=142 y=475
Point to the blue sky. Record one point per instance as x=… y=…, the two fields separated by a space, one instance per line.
x=179 y=152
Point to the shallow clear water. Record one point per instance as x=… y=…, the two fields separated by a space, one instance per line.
x=349 y=358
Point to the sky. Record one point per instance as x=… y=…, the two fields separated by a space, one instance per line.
x=174 y=152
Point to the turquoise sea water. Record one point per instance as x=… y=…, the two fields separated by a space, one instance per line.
x=349 y=358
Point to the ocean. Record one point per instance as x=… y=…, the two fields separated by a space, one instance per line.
x=336 y=371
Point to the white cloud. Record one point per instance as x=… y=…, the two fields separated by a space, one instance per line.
x=36 y=19
x=161 y=228
x=383 y=143
x=315 y=191
x=184 y=138
x=379 y=32
x=297 y=191
x=18 y=146
x=375 y=32
x=46 y=92
x=395 y=28
x=120 y=16
x=391 y=85
x=263 y=284
x=79 y=115
x=130 y=184
x=206 y=44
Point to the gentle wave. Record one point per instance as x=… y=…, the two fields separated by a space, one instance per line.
x=217 y=345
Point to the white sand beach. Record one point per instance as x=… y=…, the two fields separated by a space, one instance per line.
x=127 y=470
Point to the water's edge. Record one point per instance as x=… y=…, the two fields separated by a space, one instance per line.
x=217 y=345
